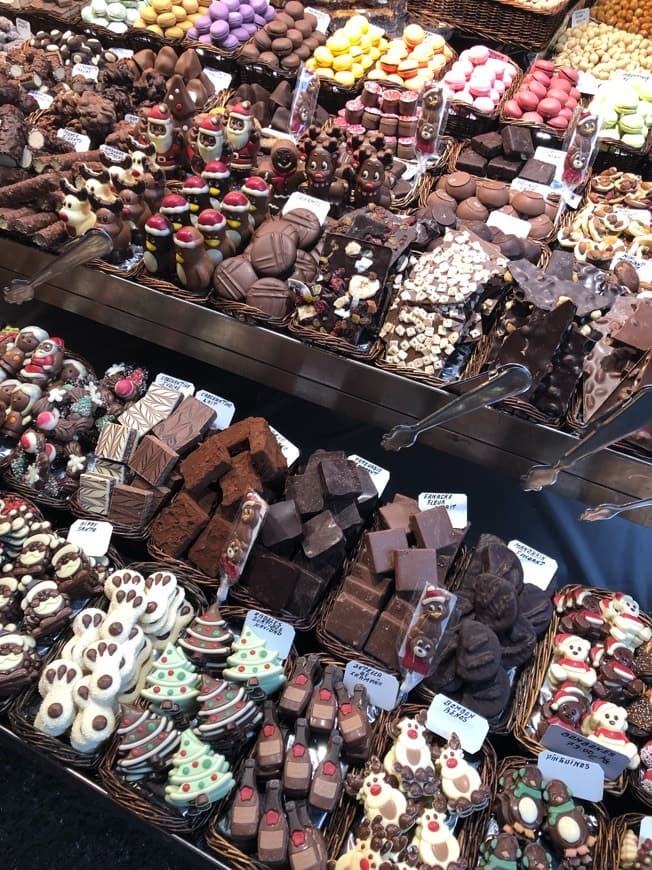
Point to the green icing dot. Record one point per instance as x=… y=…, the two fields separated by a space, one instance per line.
x=207 y=762
x=263 y=653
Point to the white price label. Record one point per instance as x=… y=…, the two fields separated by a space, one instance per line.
x=580 y=16
x=289 y=450
x=507 y=223
x=456 y=504
x=587 y=84
x=23 y=28
x=79 y=141
x=584 y=778
x=318 y=207
x=530 y=187
x=92 y=536
x=645 y=829
x=559 y=739
x=113 y=153
x=643 y=267
x=323 y=18
x=635 y=75
x=446 y=717
x=224 y=410
x=554 y=156
x=132 y=119
x=87 y=70
x=220 y=80
x=278 y=635
x=640 y=215
x=44 y=100
x=382 y=688
x=185 y=387
x=122 y=52
x=538 y=568
x=571 y=199
x=379 y=476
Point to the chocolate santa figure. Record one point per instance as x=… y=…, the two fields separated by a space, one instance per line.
x=243 y=139
x=195 y=190
x=212 y=225
x=235 y=208
x=16 y=353
x=158 y=256
x=45 y=362
x=217 y=174
x=176 y=209
x=257 y=192
x=163 y=134
x=206 y=141
x=194 y=266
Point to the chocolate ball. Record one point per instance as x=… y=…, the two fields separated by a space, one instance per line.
x=307 y=226
x=528 y=203
x=460 y=185
x=541 y=227
x=472 y=209
x=273 y=255
x=440 y=197
x=233 y=278
x=491 y=193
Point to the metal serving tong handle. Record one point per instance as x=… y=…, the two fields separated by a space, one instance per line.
x=608 y=511
x=509 y=380
x=95 y=243
x=631 y=415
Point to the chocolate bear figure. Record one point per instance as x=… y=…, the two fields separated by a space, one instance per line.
x=520 y=807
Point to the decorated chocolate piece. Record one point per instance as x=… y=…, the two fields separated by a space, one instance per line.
x=199 y=776
x=225 y=712
x=326 y=782
x=245 y=811
x=322 y=707
x=379 y=797
x=606 y=723
x=520 y=804
x=147 y=743
x=207 y=640
x=435 y=842
x=410 y=757
x=297 y=766
x=298 y=690
x=172 y=683
x=460 y=781
x=566 y=824
x=273 y=831
x=251 y=658
x=353 y=720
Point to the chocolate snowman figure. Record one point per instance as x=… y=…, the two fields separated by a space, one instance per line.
x=212 y=225
x=194 y=266
x=158 y=256
x=195 y=191
x=218 y=177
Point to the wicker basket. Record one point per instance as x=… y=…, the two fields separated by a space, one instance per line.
x=613 y=152
x=464 y=121
x=617 y=830
x=542 y=134
x=170 y=289
x=247 y=313
x=533 y=681
x=602 y=847
x=10 y=480
x=508 y=21
x=239 y=860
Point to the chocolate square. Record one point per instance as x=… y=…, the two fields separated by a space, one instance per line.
x=107 y=468
x=209 y=546
x=470 y=161
x=381 y=547
x=305 y=490
x=236 y=436
x=414 y=569
x=236 y=482
x=186 y=425
x=503 y=169
x=205 y=465
x=401 y=607
x=432 y=528
x=281 y=525
x=270 y=579
x=156 y=405
x=160 y=494
x=307 y=591
x=488 y=145
x=369 y=496
x=351 y=620
x=385 y=639
x=116 y=442
x=396 y=515
x=266 y=454
x=340 y=478
x=177 y=526
x=537 y=171
x=94 y=493
x=321 y=536
x=315 y=459
x=517 y=143
x=208 y=500
x=130 y=506
x=153 y=460
x=348 y=519
x=375 y=594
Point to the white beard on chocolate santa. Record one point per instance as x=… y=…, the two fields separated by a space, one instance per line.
x=242 y=138
x=161 y=133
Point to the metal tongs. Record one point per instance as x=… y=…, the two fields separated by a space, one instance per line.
x=609 y=510
x=93 y=244
x=507 y=381
x=626 y=418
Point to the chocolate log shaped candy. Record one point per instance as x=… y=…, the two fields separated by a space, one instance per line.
x=327 y=782
x=245 y=810
x=269 y=747
x=297 y=767
x=322 y=709
x=273 y=832
x=299 y=687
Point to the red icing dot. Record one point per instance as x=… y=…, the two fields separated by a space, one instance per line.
x=195 y=764
x=185 y=787
x=271 y=817
x=268 y=730
x=452 y=762
x=241 y=668
x=298 y=750
x=412 y=734
x=214 y=777
x=252 y=652
x=345 y=709
x=267 y=667
x=140 y=729
x=156 y=689
x=329 y=768
x=301 y=680
x=324 y=695
x=164 y=659
x=433 y=826
x=183 y=690
x=298 y=838
x=243 y=640
x=246 y=793
x=170 y=672
x=239 y=705
x=375 y=790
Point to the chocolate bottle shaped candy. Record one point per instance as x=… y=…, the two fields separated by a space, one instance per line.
x=322 y=709
x=313 y=831
x=327 y=782
x=352 y=719
x=245 y=810
x=303 y=850
x=297 y=767
x=269 y=748
x=273 y=828
x=299 y=687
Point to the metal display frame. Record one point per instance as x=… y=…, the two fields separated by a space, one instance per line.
x=491 y=438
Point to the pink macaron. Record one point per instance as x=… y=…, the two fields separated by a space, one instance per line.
x=484 y=105
x=478 y=54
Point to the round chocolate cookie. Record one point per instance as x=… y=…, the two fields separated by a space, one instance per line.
x=273 y=255
x=282 y=46
x=305 y=268
x=269 y=58
x=279 y=226
x=263 y=40
x=233 y=278
x=307 y=226
x=291 y=62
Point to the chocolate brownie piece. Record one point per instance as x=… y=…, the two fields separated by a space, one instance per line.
x=236 y=437
x=266 y=454
x=209 y=546
x=241 y=478
x=205 y=465
x=177 y=526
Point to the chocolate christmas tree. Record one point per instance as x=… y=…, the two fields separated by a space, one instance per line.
x=147 y=742
x=199 y=776
x=252 y=659
x=227 y=713
x=173 y=682
x=207 y=640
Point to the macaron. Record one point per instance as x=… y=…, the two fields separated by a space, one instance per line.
x=478 y=54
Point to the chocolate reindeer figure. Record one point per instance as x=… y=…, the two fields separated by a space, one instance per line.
x=108 y=217
x=97 y=183
x=136 y=212
x=321 y=180
x=75 y=210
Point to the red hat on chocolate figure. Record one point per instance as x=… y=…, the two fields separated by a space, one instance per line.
x=211 y=124
x=174 y=203
x=211 y=220
x=236 y=201
x=188 y=237
x=160 y=112
x=194 y=185
x=241 y=110
x=158 y=225
x=433 y=595
x=215 y=169
x=255 y=186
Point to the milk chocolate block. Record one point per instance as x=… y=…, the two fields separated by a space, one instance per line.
x=130 y=505
x=266 y=454
x=94 y=494
x=281 y=526
x=351 y=620
x=116 y=442
x=432 y=528
x=375 y=594
x=305 y=491
x=241 y=478
x=209 y=546
x=401 y=607
x=321 y=535
x=470 y=161
x=177 y=526
x=308 y=589
x=517 y=143
x=503 y=169
x=153 y=460
x=414 y=569
x=381 y=546
x=270 y=579
x=385 y=640
x=160 y=494
x=205 y=465
x=186 y=425
x=537 y=171
x=340 y=478
x=107 y=468
x=208 y=500
x=156 y=405
x=396 y=515
x=488 y=145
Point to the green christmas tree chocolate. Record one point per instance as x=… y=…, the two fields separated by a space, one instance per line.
x=147 y=742
x=199 y=776
x=251 y=658
x=226 y=712
x=207 y=640
x=173 y=679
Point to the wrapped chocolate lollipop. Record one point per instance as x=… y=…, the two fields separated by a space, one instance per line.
x=244 y=531
x=417 y=653
x=430 y=125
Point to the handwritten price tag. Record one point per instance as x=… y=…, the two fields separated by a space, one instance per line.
x=23 y=28
x=584 y=778
x=122 y=52
x=509 y=224
x=93 y=536
x=318 y=207
x=382 y=688
x=224 y=410
x=379 y=476
x=643 y=267
x=580 y=16
x=44 y=100
x=132 y=119
x=323 y=19
x=113 y=153
x=573 y=743
x=86 y=70
x=289 y=450
x=446 y=717
x=537 y=567
x=456 y=504
x=278 y=635
x=79 y=141
x=181 y=386
x=530 y=186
